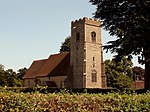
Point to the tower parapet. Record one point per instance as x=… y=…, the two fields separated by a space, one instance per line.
x=85 y=20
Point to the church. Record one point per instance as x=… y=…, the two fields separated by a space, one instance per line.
x=82 y=67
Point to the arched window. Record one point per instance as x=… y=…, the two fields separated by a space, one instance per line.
x=93 y=36
x=94 y=76
x=93 y=58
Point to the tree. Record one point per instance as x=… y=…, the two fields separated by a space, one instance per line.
x=119 y=74
x=129 y=21
x=12 y=79
x=3 y=81
x=21 y=72
x=138 y=73
x=11 y=76
x=65 y=47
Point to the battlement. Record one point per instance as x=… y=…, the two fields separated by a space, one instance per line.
x=85 y=20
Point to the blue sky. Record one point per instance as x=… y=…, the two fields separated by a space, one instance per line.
x=34 y=29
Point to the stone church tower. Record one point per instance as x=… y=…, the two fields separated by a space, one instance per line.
x=86 y=54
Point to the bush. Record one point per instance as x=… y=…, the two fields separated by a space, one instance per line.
x=84 y=102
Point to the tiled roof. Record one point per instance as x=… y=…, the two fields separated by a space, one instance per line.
x=62 y=67
x=55 y=65
x=34 y=69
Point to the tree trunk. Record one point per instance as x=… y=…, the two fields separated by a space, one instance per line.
x=147 y=72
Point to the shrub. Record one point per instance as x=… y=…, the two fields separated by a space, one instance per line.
x=35 y=102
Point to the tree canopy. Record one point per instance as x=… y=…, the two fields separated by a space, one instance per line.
x=10 y=78
x=119 y=74
x=65 y=47
x=21 y=72
x=138 y=73
x=129 y=21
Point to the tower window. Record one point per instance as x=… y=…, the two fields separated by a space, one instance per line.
x=94 y=76
x=93 y=36
x=93 y=58
x=77 y=36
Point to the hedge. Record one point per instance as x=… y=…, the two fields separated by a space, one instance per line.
x=65 y=102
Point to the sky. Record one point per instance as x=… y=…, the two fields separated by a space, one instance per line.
x=34 y=29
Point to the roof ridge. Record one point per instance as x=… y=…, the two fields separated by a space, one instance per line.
x=58 y=53
x=40 y=60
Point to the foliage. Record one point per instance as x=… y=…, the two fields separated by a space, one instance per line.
x=10 y=78
x=65 y=47
x=21 y=72
x=36 y=102
x=138 y=73
x=3 y=78
x=119 y=74
x=129 y=21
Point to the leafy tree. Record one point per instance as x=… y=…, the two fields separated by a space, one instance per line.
x=138 y=72
x=21 y=72
x=129 y=21
x=12 y=79
x=3 y=81
x=11 y=76
x=119 y=74
x=65 y=47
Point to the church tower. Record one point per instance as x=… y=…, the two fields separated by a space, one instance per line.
x=86 y=54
